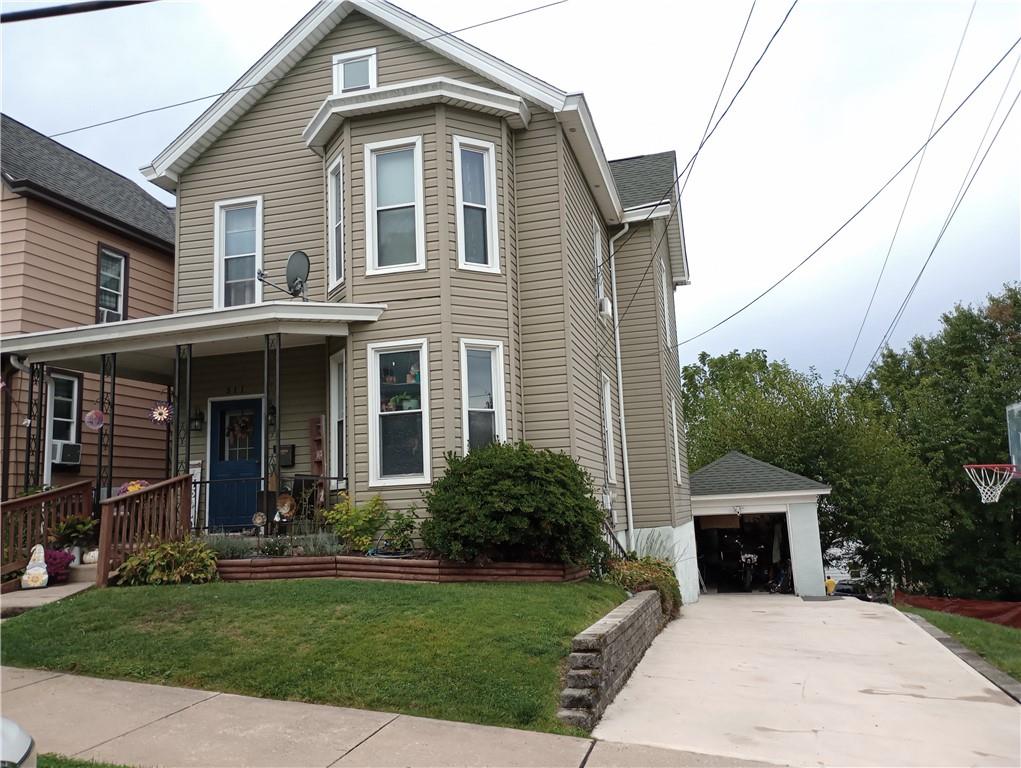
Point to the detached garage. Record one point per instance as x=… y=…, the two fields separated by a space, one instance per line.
x=757 y=527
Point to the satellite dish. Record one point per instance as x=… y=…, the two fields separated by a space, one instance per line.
x=297 y=273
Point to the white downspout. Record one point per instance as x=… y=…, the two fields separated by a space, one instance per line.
x=620 y=390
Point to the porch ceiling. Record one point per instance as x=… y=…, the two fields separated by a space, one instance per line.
x=146 y=347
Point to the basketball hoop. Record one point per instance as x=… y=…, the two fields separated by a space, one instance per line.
x=991 y=479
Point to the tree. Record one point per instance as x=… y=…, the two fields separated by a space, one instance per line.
x=946 y=395
x=883 y=503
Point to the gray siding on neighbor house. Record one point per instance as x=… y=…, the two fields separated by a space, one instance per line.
x=263 y=154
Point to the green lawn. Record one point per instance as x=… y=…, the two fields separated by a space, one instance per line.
x=997 y=644
x=51 y=760
x=483 y=653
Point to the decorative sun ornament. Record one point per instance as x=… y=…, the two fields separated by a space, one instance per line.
x=161 y=413
x=94 y=419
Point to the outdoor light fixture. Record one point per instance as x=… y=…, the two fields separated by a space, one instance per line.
x=271 y=415
x=198 y=421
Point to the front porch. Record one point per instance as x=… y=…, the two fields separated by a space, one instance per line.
x=250 y=389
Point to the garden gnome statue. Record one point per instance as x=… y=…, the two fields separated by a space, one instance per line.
x=35 y=574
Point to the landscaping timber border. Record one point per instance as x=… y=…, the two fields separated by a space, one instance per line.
x=393 y=569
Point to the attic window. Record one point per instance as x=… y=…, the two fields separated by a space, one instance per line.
x=354 y=71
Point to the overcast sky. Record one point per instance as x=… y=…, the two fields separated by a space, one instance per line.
x=844 y=96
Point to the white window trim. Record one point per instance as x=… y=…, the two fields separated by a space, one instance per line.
x=338 y=361
x=338 y=70
x=373 y=352
x=499 y=397
x=677 y=445
x=488 y=149
x=103 y=251
x=218 y=213
x=664 y=287
x=371 y=266
x=597 y=250
x=335 y=247
x=48 y=457
x=608 y=442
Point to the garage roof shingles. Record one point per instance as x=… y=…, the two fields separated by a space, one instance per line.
x=736 y=473
x=28 y=156
x=645 y=179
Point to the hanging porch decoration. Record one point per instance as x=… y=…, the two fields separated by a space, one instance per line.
x=94 y=419
x=162 y=413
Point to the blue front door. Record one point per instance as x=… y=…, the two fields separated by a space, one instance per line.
x=235 y=461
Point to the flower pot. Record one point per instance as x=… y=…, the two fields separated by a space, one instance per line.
x=90 y=557
x=77 y=552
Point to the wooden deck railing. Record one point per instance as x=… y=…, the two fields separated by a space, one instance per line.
x=128 y=522
x=27 y=521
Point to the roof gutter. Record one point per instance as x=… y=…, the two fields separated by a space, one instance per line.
x=620 y=389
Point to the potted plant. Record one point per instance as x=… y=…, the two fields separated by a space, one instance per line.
x=402 y=401
x=73 y=533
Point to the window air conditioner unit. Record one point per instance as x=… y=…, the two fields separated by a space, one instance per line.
x=605 y=308
x=67 y=453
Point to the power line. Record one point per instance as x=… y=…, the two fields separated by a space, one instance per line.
x=53 y=11
x=391 y=47
x=855 y=215
x=965 y=186
x=911 y=188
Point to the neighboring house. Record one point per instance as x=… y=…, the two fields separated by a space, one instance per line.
x=81 y=245
x=461 y=219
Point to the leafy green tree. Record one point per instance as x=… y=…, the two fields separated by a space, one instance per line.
x=946 y=394
x=883 y=505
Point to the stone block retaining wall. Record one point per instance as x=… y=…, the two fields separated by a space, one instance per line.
x=604 y=655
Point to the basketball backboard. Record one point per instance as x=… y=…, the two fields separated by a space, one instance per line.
x=1014 y=433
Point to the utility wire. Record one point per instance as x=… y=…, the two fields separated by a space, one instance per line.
x=959 y=198
x=53 y=11
x=857 y=213
x=391 y=47
x=705 y=138
x=911 y=188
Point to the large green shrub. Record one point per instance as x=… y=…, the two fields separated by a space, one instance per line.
x=649 y=573
x=188 y=561
x=512 y=502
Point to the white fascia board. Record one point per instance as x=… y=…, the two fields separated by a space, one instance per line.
x=336 y=108
x=741 y=499
x=194 y=326
x=581 y=134
x=298 y=41
x=640 y=213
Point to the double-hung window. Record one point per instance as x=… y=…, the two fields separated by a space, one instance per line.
x=611 y=457
x=399 y=413
x=335 y=237
x=338 y=410
x=238 y=245
x=64 y=403
x=475 y=192
x=394 y=222
x=111 y=288
x=667 y=296
x=483 y=412
x=677 y=442
x=597 y=250
x=354 y=70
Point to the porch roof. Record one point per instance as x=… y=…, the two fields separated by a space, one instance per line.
x=146 y=347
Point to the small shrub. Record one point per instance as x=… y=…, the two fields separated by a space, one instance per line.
x=74 y=531
x=58 y=565
x=513 y=502
x=276 y=546
x=188 y=561
x=230 y=547
x=356 y=525
x=649 y=573
x=399 y=534
x=320 y=544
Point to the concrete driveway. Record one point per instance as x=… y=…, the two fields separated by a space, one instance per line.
x=834 y=682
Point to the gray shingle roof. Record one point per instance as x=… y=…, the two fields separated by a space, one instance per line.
x=31 y=161
x=737 y=473
x=645 y=179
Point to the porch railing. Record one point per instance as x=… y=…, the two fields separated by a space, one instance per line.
x=610 y=536
x=25 y=522
x=128 y=522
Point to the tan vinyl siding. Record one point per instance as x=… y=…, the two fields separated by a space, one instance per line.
x=591 y=339
x=263 y=154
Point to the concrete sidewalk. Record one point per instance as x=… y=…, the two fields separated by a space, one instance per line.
x=148 y=725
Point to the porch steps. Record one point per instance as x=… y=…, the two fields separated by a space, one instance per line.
x=83 y=573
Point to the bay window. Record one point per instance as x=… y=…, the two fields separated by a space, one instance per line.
x=238 y=251
x=597 y=251
x=111 y=285
x=475 y=193
x=394 y=220
x=399 y=451
x=335 y=217
x=483 y=411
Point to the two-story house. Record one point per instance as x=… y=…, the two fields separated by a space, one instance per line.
x=461 y=222
x=81 y=245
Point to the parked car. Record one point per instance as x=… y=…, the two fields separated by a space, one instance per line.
x=852 y=588
x=17 y=748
